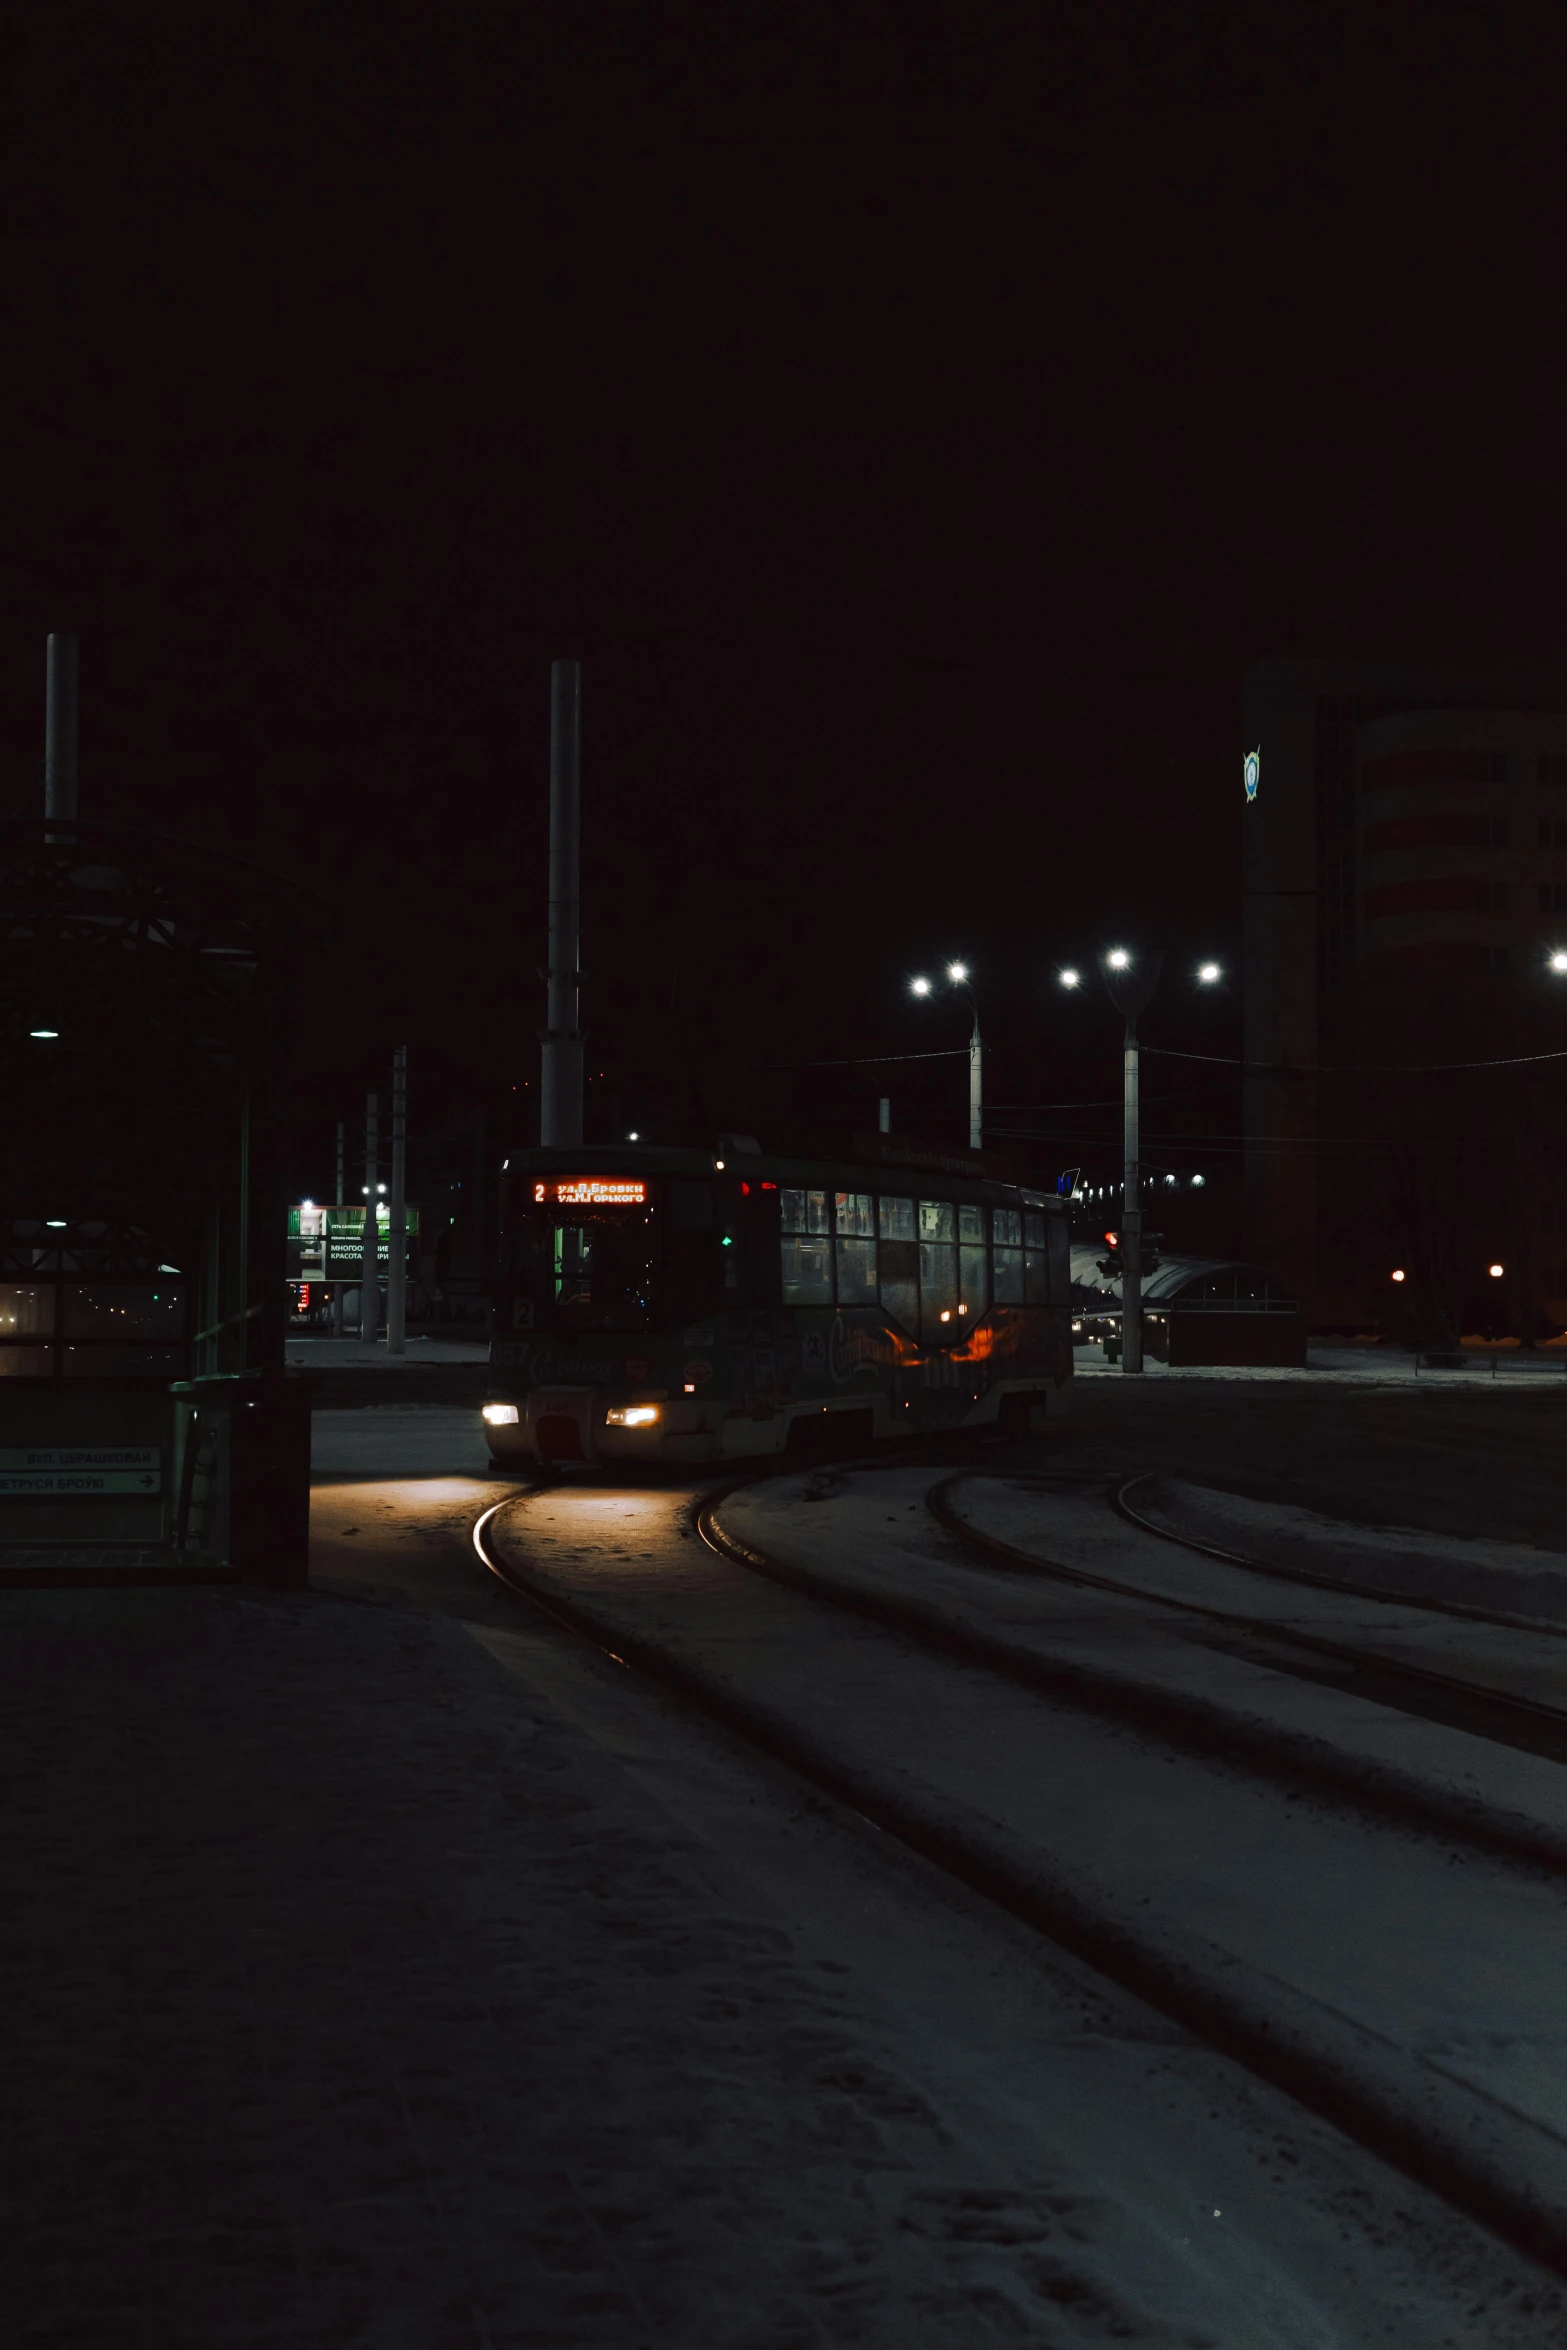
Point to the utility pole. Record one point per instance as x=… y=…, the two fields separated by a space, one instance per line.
x=560 y=1100
x=337 y=1286
x=1130 y=980
x=958 y=974
x=397 y=1247
x=370 y=1274
x=976 y=1092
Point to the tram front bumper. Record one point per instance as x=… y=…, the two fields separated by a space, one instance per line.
x=581 y=1424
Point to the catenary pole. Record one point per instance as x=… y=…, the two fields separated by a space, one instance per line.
x=397 y=1251
x=976 y=1105
x=560 y=1097
x=370 y=1271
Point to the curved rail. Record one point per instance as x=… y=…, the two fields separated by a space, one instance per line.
x=1029 y=1894
x=1281 y=1574
x=1505 y=1717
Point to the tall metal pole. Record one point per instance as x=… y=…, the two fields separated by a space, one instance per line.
x=397 y=1259
x=370 y=1272
x=60 y=671
x=976 y=1111
x=335 y=1288
x=1131 y=1219
x=560 y=1106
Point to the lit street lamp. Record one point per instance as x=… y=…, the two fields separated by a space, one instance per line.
x=957 y=976
x=1130 y=980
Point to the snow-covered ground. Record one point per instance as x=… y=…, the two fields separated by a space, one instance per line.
x=1354 y=1366
x=1021 y=2150
x=1421 y=1974
x=1518 y=1578
x=398 y=1440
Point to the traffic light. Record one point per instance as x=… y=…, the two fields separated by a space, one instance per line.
x=1114 y=1265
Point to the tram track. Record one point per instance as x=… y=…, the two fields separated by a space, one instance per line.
x=1429 y=1603
x=1202 y=1725
x=1506 y=1718
x=1321 y=2061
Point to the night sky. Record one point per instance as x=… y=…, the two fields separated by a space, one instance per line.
x=915 y=419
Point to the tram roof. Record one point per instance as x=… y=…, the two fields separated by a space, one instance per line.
x=934 y=1174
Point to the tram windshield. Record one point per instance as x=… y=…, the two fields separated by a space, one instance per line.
x=589 y=1254
x=599 y=1272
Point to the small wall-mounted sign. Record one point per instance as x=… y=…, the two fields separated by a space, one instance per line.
x=1251 y=773
x=71 y=1472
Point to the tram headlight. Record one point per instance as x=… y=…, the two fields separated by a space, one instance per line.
x=501 y=1415
x=631 y=1415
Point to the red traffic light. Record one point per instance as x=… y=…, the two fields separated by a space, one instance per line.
x=1114 y=1239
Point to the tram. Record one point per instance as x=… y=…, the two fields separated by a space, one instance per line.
x=693 y=1305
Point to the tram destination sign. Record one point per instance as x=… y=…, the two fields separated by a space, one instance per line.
x=68 y=1472
x=591 y=1191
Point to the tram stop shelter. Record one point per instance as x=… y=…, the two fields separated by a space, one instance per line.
x=1202 y=1311
x=148 y=1427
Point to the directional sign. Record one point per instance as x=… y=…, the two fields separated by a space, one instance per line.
x=66 y=1472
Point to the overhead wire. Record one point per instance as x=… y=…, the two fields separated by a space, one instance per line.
x=1354 y=1068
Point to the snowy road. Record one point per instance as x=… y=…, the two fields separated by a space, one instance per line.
x=1418 y=1971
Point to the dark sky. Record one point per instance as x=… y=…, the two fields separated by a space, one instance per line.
x=915 y=419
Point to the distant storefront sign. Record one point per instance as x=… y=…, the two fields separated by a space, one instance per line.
x=328 y=1244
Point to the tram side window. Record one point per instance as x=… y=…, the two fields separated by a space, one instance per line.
x=973 y=1272
x=1006 y=1235
x=900 y=1261
x=1058 y=1249
x=804 y=1248
x=938 y=1267
x=854 y=1222
x=1036 y=1267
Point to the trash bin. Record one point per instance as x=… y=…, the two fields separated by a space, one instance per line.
x=242 y=1475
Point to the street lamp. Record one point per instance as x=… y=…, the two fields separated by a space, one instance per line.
x=1130 y=980
x=958 y=977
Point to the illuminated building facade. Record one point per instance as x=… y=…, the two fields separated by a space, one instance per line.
x=1404 y=870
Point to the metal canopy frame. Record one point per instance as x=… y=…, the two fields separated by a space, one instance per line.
x=152 y=1113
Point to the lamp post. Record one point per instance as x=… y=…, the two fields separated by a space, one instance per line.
x=1130 y=980
x=958 y=977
